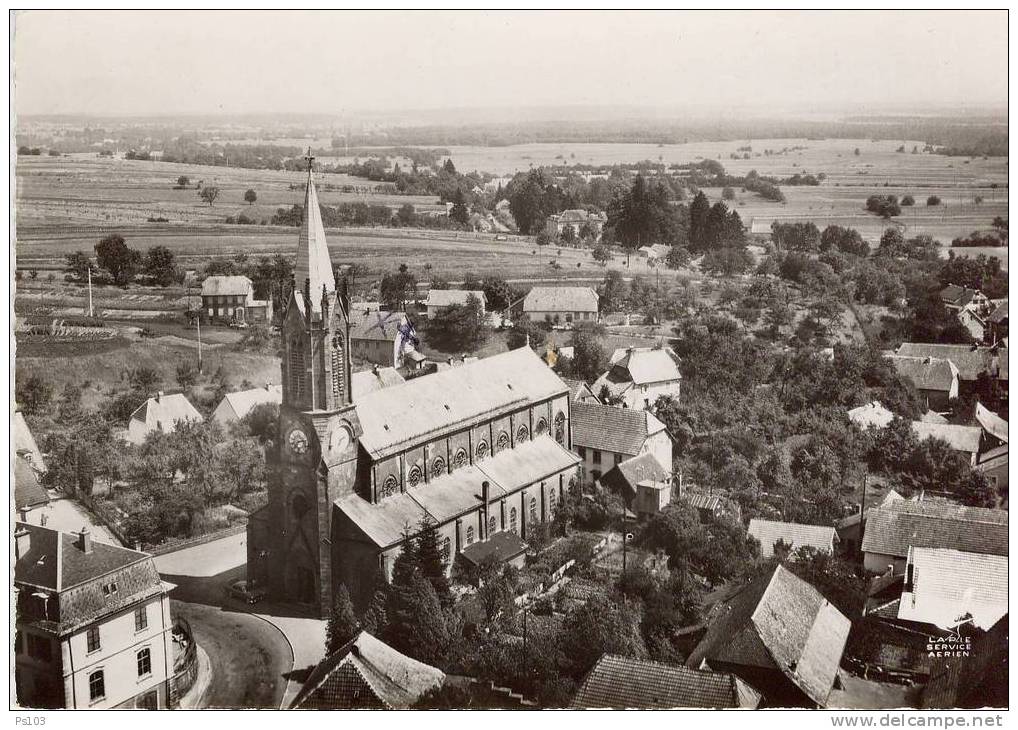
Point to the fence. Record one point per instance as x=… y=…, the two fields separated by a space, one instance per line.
x=172 y=546
x=185 y=667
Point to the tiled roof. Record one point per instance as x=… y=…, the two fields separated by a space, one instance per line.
x=927 y=373
x=894 y=527
x=948 y=584
x=646 y=365
x=959 y=438
x=418 y=410
x=313 y=263
x=624 y=476
x=56 y=562
x=377 y=325
x=769 y=532
x=991 y=422
x=993 y=459
x=244 y=400
x=561 y=299
x=166 y=409
x=226 y=285
x=999 y=313
x=619 y=430
x=933 y=417
x=368 y=381
x=959 y=296
x=25 y=442
x=970 y=360
x=28 y=492
x=498 y=548
x=367 y=674
x=578 y=390
x=458 y=492
x=778 y=621
x=622 y=682
x=448 y=297
x=976 y=681
x=872 y=414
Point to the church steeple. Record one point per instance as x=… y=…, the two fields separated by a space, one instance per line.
x=313 y=264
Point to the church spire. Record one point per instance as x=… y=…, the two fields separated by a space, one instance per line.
x=313 y=263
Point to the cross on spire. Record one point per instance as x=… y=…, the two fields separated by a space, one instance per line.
x=310 y=159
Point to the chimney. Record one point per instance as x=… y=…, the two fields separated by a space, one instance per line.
x=268 y=385
x=23 y=514
x=85 y=541
x=159 y=394
x=485 y=491
x=449 y=360
x=22 y=542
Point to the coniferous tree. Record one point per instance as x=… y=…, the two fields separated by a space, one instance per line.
x=429 y=558
x=343 y=625
x=699 y=209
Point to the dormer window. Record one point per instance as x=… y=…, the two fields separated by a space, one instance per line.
x=110 y=589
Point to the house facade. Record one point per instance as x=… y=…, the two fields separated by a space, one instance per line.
x=936 y=379
x=440 y=300
x=93 y=625
x=580 y=221
x=639 y=376
x=373 y=333
x=232 y=299
x=561 y=304
x=234 y=406
x=605 y=436
x=161 y=412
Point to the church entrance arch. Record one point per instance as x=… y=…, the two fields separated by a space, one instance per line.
x=300 y=578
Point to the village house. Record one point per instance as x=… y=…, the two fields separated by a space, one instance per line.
x=993 y=464
x=439 y=300
x=895 y=527
x=965 y=439
x=161 y=412
x=711 y=506
x=93 y=627
x=654 y=254
x=373 y=333
x=368 y=381
x=871 y=415
x=639 y=376
x=605 y=436
x=936 y=379
x=994 y=427
x=25 y=445
x=618 y=682
x=997 y=322
x=644 y=484
x=970 y=360
x=580 y=391
x=792 y=534
x=232 y=299
x=779 y=635
x=29 y=494
x=850 y=529
x=479 y=451
x=582 y=223
x=958 y=298
x=234 y=406
x=561 y=304
x=942 y=586
x=366 y=674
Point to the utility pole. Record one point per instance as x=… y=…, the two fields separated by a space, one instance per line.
x=90 y=311
x=199 y=342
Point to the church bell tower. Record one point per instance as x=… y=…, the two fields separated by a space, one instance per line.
x=314 y=459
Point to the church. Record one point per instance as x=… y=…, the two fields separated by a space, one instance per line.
x=482 y=451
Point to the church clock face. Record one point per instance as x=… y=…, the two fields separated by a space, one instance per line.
x=298 y=441
x=339 y=438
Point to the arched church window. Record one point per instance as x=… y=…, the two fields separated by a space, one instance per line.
x=513 y=528
x=446 y=550
x=552 y=502
x=438 y=466
x=389 y=487
x=492 y=526
x=460 y=459
x=413 y=477
x=338 y=371
x=541 y=428
x=560 y=427
x=482 y=449
x=533 y=509
x=503 y=441
x=522 y=433
x=470 y=536
x=296 y=369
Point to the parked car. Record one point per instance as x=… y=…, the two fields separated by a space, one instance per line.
x=244 y=591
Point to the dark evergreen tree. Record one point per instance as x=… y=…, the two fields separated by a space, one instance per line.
x=699 y=209
x=459 y=212
x=343 y=625
x=431 y=562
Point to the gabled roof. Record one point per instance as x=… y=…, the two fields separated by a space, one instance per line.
x=498 y=548
x=933 y=417
x=623 y=682
x=25 y=443
x=28 y=492
x=367 y=673
x=999 y=314
x=956 y=295
x=368 y=381
x=560 y=299
x=993 y=459
x=991 y=422
x=778 y=621
x=644 y=365
x=927 y=373
x=796 y=535
x=578 y=390
x=959 y=438
x=624 y=476
x=226 y=285
x=894 y=527
x=377 y=325
x=313 y=262
x=948 y=584
x=243 y=401
x=872 y=414
x=166 y=409
x=619 y=430
x=970 y=360
x=449 y=297
x=404 y=415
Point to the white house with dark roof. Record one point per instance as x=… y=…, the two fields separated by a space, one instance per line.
x=993 y=425
x=161 y=412
x=965 y=439
x=232 y=298
x=234 y=406
x=942 y=586
x=440 y=300
x=372 y=334
x=605 y=436
x=871 y=415
x=993 y=464
x=793 y=534
x=561 y=304
x=25 y=445
x=638 y=377
x=93 y=627
x=970 y=360
x=579 y=220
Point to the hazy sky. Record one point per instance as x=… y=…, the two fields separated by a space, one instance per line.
x=321 y=62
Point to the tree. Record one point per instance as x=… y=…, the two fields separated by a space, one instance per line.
x=600 y=627
x=250 y=197
x=728 y=261
x=678 y=257
x=498 y=293
x=459 y=211
x=113 y=254
x=846 y=240
x=590 y=358
x=209 y=194
x=77 y=265
x=907 y=200
x=526 y=332
x=183 y=181
x=612 y=292
x=397 y=288
x=698 y=212
x=33 y=394
x=160 y=265
x=933 y=200
x=187 y=374
x=727 y=194
x=602 y=254
x=460 y=326
x=431 y=562
x=342 y=626
x=415 y=623
x=449 y=167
